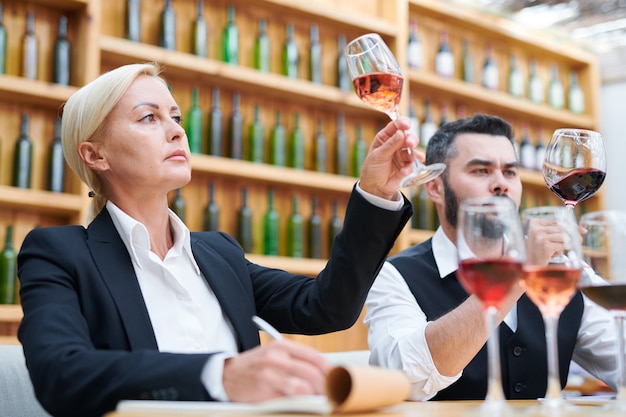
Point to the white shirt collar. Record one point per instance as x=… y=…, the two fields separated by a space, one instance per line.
x=445 y=253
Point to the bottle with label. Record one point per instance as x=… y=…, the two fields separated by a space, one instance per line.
x=414 y=53
x=467 y=63
x=235 y=129
x=319 y=144
x=444 y=60
x=61 y=67
x=3 y=43
x=230 y=39
x=178 y=204
x=271 y=227
x=194 y=123
x=341 y=151
x=8 y=269
x=256 y=134
x=244 y=223
x=277 y=142
x=540 y=151
x=290 y=54
x=428 y=125
x=343 y=79
x=535 y=84
x=215 y=125
x=414 y=129
x=262 y=48
x=556 y=93
x=296 y=145
x=314 y=232
x=359 y=150
x=133 y=20
x=527 y=154
x=295 y=231
x=315 y=56
x=210 y=221
x=167 y=38
x=200 y=31
x=30 y=49
x=56 y=162
x=575 y=95
x=334 y=227
x=490 y=73
x=516 y=78
x=23 y=156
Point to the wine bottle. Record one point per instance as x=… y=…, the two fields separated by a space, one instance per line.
x=444 y=60
x=244 y=223
x=23 y=156
x=290 y=54
x=443 y=115
x=343 y=79
x=235 y=129
x=215 y=125
x=8 y=269
x=516 y=78
x=3 y=43
x=194 y=123
x=56 y=164
x=200 y=31
x=256 y=134
x=262 y=48
x=315 y=56
x=167 y=37
x=414 y=129
x=359 y=150
x=428 y=125
x=320 y=148
x=61 y=67
x=575 y=95
x=341 y=151
x=467 y=63
x=30 y=49
x=211 y=212
x=415 y=202
x=526 y=150
x=556 y=94
x=334 y=227
x=133 y=20
x=178 y=204
x=230 y=39
x=535 y=85
x=277 y=142
x=295 y=231
x=540 y=151
x=314 y=232
x=414 y=48
x=271 y=227
x=296 y=145
x=490 y=73
x=424 y=218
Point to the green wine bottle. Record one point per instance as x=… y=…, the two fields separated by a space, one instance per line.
x=290 y=54
x=230 y=40
x=341 y=152
x=295 y=231
x=314 y=232
x=62 y=64
x=200 y=31
x=343 y=79
x=3 y=43
x=215 y=125
x=133 y=20
x=315 y=56
x=23 y=156
x=271 y=227
x=167 y=37
x=320 y=148
x=262 y=48
x=467 y=63
x=334 y=227
x=244 y=223
x=30 y=49
x=277 y=142
x=56 y=165
x=194 y=123
x=358 y=152
x=235 y=129
x=296 y=145
x=178 y=204
x=211 y=212
x=8 y=269
x=256 y=133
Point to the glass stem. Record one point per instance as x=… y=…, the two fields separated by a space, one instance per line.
x=494 y=383
x=553 y=393
x=621 y=387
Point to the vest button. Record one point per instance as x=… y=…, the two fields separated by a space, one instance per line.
x=517 y=351
x=519 y=387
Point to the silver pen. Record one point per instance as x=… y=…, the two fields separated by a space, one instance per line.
x=267 y=328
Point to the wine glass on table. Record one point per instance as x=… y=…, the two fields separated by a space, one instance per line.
x=551 y=274
x=491 y=253
x=378 y=81
x=603 y=249
x=574 y=165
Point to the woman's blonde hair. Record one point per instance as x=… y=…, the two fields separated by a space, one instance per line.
x=84 y=119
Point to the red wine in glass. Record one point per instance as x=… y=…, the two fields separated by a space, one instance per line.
x=490 y=280
x=611 y=297
x=578 y=185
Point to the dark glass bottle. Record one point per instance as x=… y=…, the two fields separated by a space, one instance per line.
x=314 y=232
x=334 y=227
x=320 y=148
x=23 y=157
x=295 y=231
x=3 y=43
x=56 y=165
x=256 y=134
x=444 y=60
x=277 y=142
x=200 y=31
x=211 y=212
x=271 y=227
x=30 y=49
x=215 y=125
x=244 y=223
x=315 y=56
x=62 y=55
x=343 y=78
x=467 y=63
x=290 y=54
x=341 y=151
x=230 y=39
x=178 y=204
x=414 y=47
x=296 y=145
x=167 y=38
x=359 y=150
x=262 y=48
x=415 y=202
x=194 y=123
x=8 y=269
x=235 y=130
x=133 y=20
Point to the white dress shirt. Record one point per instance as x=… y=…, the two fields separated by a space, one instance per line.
x=397 y=324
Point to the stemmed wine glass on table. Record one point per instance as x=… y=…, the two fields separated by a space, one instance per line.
x=378 y=81
x=491 y=253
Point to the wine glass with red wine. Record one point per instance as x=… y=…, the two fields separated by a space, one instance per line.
x=574 y=166
x=550 y=279
x=378 y=80
x=491 y=252
x=603 y=249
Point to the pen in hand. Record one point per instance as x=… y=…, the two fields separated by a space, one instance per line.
x=267 y=328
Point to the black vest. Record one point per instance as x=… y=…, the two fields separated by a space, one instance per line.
x=523 y=353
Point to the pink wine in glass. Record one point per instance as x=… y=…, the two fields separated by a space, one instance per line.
x=490 y=280
x=380 y=90
x=550 y=287
x=578 y=185
x=611 y=297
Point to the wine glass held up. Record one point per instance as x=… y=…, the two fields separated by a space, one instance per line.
x=378 y=81
x=574 y=165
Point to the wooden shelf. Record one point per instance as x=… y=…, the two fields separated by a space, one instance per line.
x=41 y=201
x=305 y=266
x=34 y=93
x=62 y=4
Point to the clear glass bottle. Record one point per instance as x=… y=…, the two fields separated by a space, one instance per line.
x=200 y=32
x=575 y=95
x=315 y=56
x=428 y=126
x=290 y=54
x=343 y=78
x=490 y=73
x=30 y=49
x=556 y=93
x=444 y=60
x=262 y=48
x=167 y=38
x=414 y=52
x=535 y=84
x=516 y=78
x=133 y=20
x=3 y=43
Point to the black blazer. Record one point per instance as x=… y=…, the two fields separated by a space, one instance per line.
x=86 y=332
